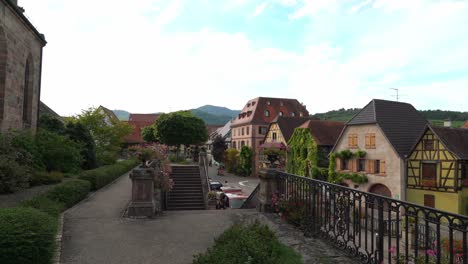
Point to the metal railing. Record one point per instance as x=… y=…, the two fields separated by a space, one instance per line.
x=375 y=228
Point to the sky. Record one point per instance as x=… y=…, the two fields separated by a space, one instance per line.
x=149 y=56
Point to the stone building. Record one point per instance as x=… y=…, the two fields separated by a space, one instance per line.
x=20 y=68
x=386 y=132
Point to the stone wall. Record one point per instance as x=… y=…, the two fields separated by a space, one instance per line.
x=20 y=66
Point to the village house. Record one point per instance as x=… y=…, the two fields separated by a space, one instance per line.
x=20 y=68
x=250 y=126
x=138 y=122
x=385 y=132
x=281 y=129
x=438 y=170
x=465 y=125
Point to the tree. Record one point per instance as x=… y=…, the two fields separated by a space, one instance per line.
x=219 y=147
x=78 y=133
x=107 y=133
x=245 y=160
x=147 y=133
x=51 y=124
x=232 y=159
x=180 y=128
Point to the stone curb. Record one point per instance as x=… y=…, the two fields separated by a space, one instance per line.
x=59 y=237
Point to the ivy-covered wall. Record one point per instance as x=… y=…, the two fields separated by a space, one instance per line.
x=303 y=155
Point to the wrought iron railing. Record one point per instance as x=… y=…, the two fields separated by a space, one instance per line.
x=375 y=228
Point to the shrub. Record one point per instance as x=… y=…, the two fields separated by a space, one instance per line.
x=27 y=236
x=42 y=177
x=245 y=160
x=59 y=153
x=69 y=192
x=45 y=205
x=255 y=243
x=16 y=164
x=106 y=174
x=232 y=159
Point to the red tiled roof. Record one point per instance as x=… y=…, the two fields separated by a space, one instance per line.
x=325 y=133
x=149 y=118
x=138 y=122
x=254 y=111
x=465 y=125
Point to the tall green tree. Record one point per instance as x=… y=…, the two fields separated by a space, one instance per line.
x=80 y=134
x=147 y=133
x=245 y=160
x=219 y=148
x=180 y=128
x=107 y=133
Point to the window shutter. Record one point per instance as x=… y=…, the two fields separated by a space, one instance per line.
x=372 y=140
x=350 y=140
x=382 y=167
x=367 y=166
x=370 y=166
x=338 y=164
x=355 y=165
x=367 y=141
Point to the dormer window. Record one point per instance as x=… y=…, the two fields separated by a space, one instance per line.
x=267 y=113
x=268 y=103
x=293 y=114
x=253 y=103
x=280 y=113
x=248 y=105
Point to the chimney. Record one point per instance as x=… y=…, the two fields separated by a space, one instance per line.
x=447 y=123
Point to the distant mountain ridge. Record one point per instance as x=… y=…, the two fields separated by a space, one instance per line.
x=436 y=117
x=212 y=115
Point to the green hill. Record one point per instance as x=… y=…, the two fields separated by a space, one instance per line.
x=218 y=110
x=211 y=119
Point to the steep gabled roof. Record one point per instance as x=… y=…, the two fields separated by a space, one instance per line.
x=20 y=12
x=454 y=139
x=287 y=124
x=254 y=111
x=325 y=133
x=400 y=122
x=45 y=110
x=138 y=122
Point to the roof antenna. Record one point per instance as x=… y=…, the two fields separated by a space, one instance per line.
x=397 y=94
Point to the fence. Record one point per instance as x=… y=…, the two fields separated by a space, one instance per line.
x=375 y=228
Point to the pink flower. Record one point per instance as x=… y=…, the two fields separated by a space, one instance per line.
x=431 y=252
x=392 y=250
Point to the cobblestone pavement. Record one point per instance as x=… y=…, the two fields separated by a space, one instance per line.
x=13 y=199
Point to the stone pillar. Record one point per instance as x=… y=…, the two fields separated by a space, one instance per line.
x=202 y=157
x=142 y=204
x=268 y=187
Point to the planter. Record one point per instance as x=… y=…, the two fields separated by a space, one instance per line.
x=429 y=183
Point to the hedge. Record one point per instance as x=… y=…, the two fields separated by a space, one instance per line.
x=45 y=205
x=43 y=177
x=27 y=236
x=254 y=243
x=104 y=175
x=69 y=193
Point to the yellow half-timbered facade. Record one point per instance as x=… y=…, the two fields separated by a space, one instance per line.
x=437 y=170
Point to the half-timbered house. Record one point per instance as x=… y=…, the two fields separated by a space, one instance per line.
x=438 y=170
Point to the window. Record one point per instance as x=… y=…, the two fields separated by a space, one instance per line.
x=248 y=130
x=370 y=141
x=377 y=167
x=344 y=164
x=274 y=136
x=28 y=92
x=429 y=200
x=242 y=143
x=253 y=103
x=242 y=131
x=428 y=144
x=262 y=130
x=280 y=113
x=267 y=113
x=234 y=144
x=362 y=165
x=429 y=174
x=293 y=114
x=352 y=141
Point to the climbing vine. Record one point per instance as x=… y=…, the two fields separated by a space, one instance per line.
x=335 y=177
x=303 y=154
x=245 y=160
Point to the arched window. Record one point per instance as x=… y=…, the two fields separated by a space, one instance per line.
x=3 y=63
x=28 y=91
x=267 y=113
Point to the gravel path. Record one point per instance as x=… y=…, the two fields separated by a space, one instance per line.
x=13 y=199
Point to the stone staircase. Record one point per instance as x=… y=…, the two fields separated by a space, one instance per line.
x=187 y=193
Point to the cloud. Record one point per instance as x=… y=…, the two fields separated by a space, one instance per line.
x=259 y=9
x=313 y=7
